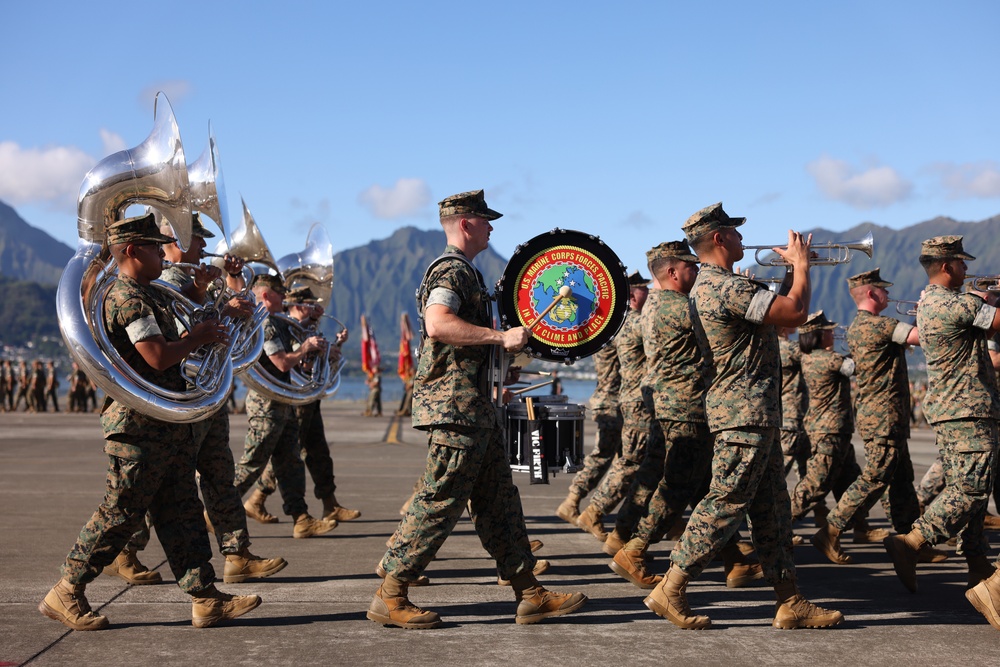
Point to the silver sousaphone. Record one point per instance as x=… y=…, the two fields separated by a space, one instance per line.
x=154 y=173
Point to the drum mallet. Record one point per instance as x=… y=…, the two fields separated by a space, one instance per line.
x=517 y=392
x=564 y=292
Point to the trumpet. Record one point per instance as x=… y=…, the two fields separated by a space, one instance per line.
x=983 y=283
x=904 y=307
x=835 y=253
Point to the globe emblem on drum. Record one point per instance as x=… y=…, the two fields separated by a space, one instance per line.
x=572 y=311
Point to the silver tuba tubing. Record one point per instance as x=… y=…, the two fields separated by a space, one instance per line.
x=153 y=173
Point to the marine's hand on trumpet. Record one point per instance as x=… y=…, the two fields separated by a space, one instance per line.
x=204 y=275
x=798 y=252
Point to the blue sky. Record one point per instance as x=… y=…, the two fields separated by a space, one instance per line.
x=617 y=119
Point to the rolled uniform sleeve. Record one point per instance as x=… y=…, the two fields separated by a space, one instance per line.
x=143 y=328
x=901 y=333
x=984 y=317
x=443 y=296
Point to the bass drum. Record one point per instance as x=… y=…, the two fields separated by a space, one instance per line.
x=580 y=324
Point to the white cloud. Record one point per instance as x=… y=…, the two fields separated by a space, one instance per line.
x=112 y=142
x=876 y=186
x=176 y=90
x=405 y=198
x=42 y=175
x=972 y=179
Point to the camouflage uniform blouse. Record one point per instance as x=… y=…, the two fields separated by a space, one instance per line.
x=450 y=386
x=961 y=383
x=277 y=338
x=878 y=347
x=794 y=399
x=133 y=313
x=609 y=381
x=741 y=352
x=828 y=381
x=632 y=358
x=675 y=367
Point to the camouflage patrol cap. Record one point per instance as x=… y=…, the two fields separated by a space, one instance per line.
x=671 y=250
x=136 y=229
x=197 y=228
x=815 y=322
x=708 y=220
x=468 y=203
x=867 y=278
x=635 y=279
x=300 y=296
x=944 y=247
x=270 y=281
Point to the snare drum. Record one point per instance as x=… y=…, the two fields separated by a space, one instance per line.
x=562 y=434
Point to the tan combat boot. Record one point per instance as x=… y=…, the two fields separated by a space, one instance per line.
x=820 y=512
x=541 y=567
x=244 y=565
x=740 y=570
x=211 y=606
x=798 y=540
x=630 y=564
x=669 y=600
x=307 y=526
x=985 y=597
x=991 y=522
x=929 y=554
x=67 y=604
x=535 y=603
x=904 y=550
x=333 y=510
x=254 y=507
x=535 y=545
x=865 y=534
x=980 y=569
x=827 y=540
x=614 y=542
x=569 y=509
x=128 y=567
x=592 y=521
x=390 y=606
x=794 y=611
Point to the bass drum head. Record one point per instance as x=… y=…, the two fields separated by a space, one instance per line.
x=580 y=324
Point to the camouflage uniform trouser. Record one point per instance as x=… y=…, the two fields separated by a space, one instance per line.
x=932 y=483
x=465 y=467
x=688 y=459
x=795 y=449
x=968 y=455
x=158 y=476
x=888 y=474
x=597 y=462
x=640 y=433
x=215 y=475
x=645 y=483
x=273 y=436
x=748 y=481
x=832 y=467
x=314 y=448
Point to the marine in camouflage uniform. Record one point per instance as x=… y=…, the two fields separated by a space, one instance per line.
x=734 y=319
x=641 y=435
x=152 y=462
x=304 y=306
x=274 y=428
x=608 y=444
x=829 y=420
x=794 y=402
x=674 y=386
x=878 y=346
x=962 y=405
x=467 y=464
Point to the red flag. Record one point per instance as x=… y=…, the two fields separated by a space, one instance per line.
x=405 y=367
x=370 y=358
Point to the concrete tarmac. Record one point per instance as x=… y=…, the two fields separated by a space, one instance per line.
x=52 y=470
